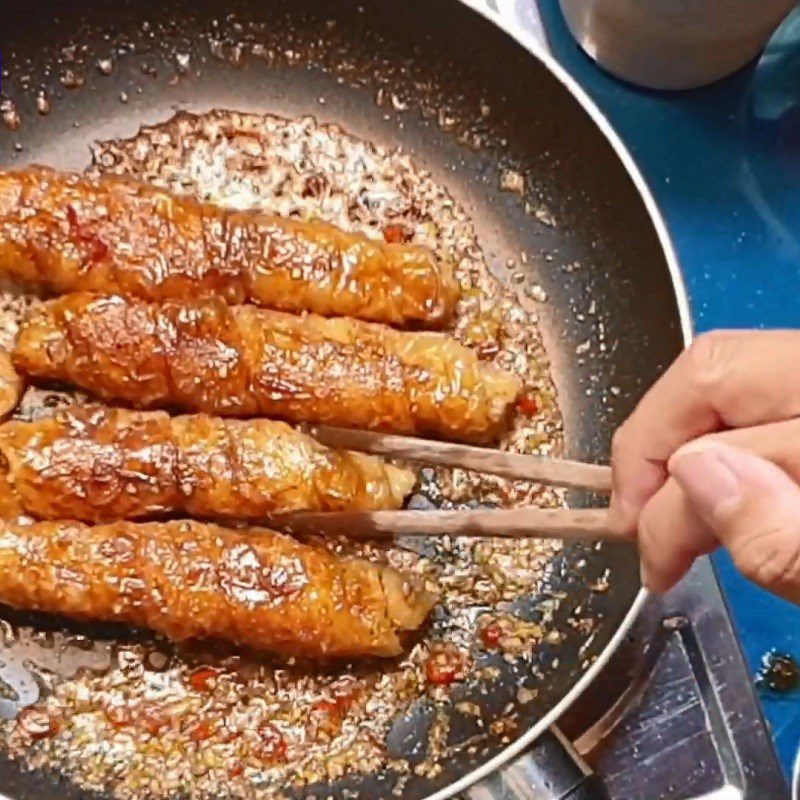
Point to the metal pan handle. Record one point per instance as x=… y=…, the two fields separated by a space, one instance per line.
x=549 y=770
x=570 y=777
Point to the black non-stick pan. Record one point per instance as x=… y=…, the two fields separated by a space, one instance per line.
x=606 y=251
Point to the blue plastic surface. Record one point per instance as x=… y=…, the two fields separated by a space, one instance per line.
x=724 y=165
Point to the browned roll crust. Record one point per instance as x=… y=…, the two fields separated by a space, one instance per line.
x=95 y=464
x=243 y=361
x=188 y=580
x=11 y=386
x=72 y=233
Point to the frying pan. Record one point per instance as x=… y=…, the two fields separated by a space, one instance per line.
x=440 y=56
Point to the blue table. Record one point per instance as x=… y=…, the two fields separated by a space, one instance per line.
x=724 y=164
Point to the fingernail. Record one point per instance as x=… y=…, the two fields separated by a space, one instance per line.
x=706 y=478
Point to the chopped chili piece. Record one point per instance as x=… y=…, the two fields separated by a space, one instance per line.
x=87 y=234
x=528 y=404
x=82 y=231
x=397 y=234
x=326 y=706
x=203 y=730
x=153 y=720
x=344 y=700
x=99 y=249
x=203 y=679
x=491 y=634
x=444 y=666
x=119 y=716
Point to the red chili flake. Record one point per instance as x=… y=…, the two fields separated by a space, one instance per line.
x=72 y=217
x=272 y=745
x=528 y=404
x=491 y=634
x=99 y=250
x=326 y=707
x=341 y=702
x=87 y=234
x=119 y=716
x=444 y=667
x=344 y=700
x=203 y=730
x=397 y=234
x=38 y=723
x=236 y=770
x=153 y=720
x=203 y=679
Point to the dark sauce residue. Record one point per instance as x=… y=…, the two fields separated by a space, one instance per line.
x=779 y=673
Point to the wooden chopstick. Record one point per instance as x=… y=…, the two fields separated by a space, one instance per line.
x=551 y=471
x=562 y=523
x=585 y=524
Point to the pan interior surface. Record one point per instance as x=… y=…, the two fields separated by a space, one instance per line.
x=473 y=108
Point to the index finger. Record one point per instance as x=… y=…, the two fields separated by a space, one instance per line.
x=725 y=379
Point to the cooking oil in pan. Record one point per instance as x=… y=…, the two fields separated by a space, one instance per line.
x=142 y=719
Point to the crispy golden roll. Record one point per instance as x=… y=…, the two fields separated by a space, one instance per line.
x=11 y=386
x=97 y=464
x=71 y=233
x=245 y=361
x=189 y=580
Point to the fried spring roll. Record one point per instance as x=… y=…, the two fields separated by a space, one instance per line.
x=244 y=361
x=71 y=233
x=11 y=386
x=189 y=580
x=95 y=464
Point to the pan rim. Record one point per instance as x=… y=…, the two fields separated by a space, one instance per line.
x=505 y=20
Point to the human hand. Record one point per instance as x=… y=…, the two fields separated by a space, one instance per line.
x=711 y=456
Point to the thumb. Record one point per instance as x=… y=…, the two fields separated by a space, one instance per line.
x=751 y=506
